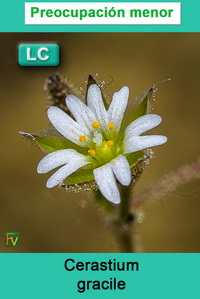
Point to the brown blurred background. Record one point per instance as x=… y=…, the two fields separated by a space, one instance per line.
x=55 y=221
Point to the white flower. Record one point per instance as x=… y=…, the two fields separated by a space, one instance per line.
x=98 y=130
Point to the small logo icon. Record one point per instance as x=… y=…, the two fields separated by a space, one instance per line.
x=12 y=239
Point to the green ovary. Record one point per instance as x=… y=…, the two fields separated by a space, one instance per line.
x=105 y=153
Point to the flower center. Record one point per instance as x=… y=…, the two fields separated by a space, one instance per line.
x=96 y=124
x=105 y=152
x=82 y=138
x=111 y=126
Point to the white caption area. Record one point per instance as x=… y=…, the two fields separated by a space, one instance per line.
x=104 y=13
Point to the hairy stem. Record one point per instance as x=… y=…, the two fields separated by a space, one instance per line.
x=123 y=224
x=167 y=184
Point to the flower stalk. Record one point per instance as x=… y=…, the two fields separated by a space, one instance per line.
x=123 y=226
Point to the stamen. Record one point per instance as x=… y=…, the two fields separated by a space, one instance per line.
x=110 y=142
x=92 y=152
x=82 y=138
x=96 y=124
x=111 y=126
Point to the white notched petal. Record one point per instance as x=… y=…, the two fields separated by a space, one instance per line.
x=107 y=184
x=66 y=125
x=118 y=106
x=81 y=112
x=142 y=124
x=142 y=142
x=64 y=172
x=121 y=169
x=58 y=158
x=95 y=103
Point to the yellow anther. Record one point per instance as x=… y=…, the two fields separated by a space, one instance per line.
x=96 y=124
x=92 y=152
x=111 y=126
x=110 y=142
x=82 y=138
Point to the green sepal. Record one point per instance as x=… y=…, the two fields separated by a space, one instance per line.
x=52 y=144
x=50 y=140
x=133 y=158
x=138 y=107
x=80 y=176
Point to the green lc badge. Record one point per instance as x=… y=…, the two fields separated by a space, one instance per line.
x=38 y=54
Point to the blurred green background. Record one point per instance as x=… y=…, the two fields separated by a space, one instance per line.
x=55 y=221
